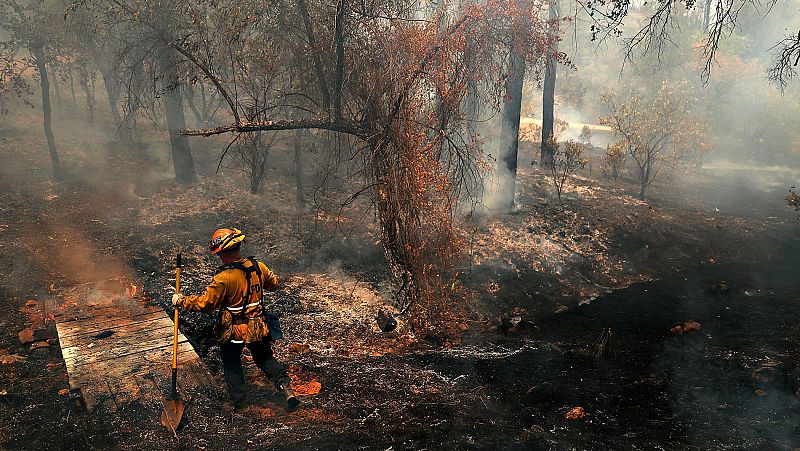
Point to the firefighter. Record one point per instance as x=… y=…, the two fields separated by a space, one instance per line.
x=236 y=291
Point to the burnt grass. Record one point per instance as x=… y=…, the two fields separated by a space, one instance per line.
x=732 y=384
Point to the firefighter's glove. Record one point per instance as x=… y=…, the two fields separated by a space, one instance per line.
x=176 y=298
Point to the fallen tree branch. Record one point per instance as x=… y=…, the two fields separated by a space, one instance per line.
x=344 y=126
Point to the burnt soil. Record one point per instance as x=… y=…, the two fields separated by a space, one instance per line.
x=719 y=252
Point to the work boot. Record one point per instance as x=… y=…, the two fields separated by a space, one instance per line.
x=291 y=400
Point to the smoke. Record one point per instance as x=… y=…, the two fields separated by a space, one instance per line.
x=498 y=180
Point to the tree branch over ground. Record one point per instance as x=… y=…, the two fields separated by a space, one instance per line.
x=342 y=126
x=369 y=71
x=660 y=25
x=785 y=61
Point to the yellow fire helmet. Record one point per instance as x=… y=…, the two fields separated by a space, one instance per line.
x=224 y=239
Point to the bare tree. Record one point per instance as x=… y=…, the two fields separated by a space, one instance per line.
x=371 y=78
x=146 y=56
x=34 y=26
x=101 y=46
x=660 y=25
x=660 y=132
x=510 y=118
x=786 y=58
x=253 y=151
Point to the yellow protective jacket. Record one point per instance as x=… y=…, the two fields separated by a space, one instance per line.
x=241 y=318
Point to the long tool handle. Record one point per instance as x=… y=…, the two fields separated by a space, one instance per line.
x=175 y=328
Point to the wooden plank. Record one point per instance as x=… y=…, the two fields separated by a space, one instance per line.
x=131 y=307
x=133 y=360
x=86 y=314
x=78 y=355
x=147 y=389
x=117 y=331
x=100 y=383
x=138 y=364
x=95 y=395
x=76 y=327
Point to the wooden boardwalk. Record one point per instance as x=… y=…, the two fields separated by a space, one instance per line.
x=118 y=349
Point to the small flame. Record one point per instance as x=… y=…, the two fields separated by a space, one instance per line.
x=132 y=291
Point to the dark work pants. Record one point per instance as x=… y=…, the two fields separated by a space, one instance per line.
x=261 y=351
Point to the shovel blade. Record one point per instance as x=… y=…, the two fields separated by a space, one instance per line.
x=172 y=413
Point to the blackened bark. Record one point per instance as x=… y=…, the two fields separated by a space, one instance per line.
x=88 y=94
x=259 y=167
x=112 y=92
x=72 y=89
x=548 y=99
x=339 y=76
x=38 y=54
x=510 y=130
x=182 y=160
x=57 y=90
x=298 y=169
x=133 y=103
x=198 y=115
x=312 y=42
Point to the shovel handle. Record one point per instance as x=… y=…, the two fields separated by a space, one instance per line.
x=175 y=322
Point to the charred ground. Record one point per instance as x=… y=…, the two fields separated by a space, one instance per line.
x=568 y=306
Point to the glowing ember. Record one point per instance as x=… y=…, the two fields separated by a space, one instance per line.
x=132 y=289
x=307 y=389
x=576 y=413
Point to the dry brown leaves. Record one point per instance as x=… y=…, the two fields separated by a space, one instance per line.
x=12 y=358
x=206 y=196
x=298 y=348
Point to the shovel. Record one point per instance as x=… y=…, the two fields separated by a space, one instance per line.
x=173 y=405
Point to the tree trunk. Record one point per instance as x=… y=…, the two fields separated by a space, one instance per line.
x=112 y=92
x=509 y=145
x=57 y=89
x=87 y=93
x=312 y=42
x=182 y=160
x=644 y=177
x=298 y=170
x=255 y=183
x=341 y=11
x=72 y=89
x=133 y=103
x=707 y=15
x=38 y=54
x=548 y=99
x=259 y=166
x=198 y=116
